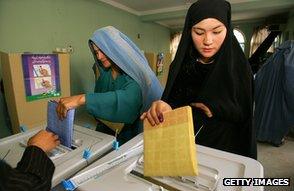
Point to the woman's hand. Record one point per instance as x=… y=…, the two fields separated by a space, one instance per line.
x=46 y=84
x=155 y=113
x=67 y=103
x=45 y=140
x=204 y=108
x=44 y=72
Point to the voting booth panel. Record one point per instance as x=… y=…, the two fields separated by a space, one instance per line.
x=30 y=80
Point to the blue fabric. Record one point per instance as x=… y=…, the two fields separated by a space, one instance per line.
x=128 y=57
x=274 y=95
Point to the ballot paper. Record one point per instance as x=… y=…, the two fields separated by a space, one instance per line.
x=63 y=128
x=169 y=148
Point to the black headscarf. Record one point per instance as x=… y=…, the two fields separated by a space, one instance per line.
x=228 y=88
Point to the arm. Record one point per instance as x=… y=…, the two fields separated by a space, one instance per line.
x=121 y=105
x=35 y=169
x=66 y=103
x=204 y=108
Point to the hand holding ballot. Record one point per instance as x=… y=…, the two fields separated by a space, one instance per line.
x=155 y=113
x=63 y=128
x=68 y=103
x=169 y=147
x=44 y=140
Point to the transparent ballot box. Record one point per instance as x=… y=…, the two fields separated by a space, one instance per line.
x=67 y=161
x=123 y=169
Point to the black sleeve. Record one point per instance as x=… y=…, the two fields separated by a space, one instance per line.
x=33 y=172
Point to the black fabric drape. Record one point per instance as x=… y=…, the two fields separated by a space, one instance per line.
x=227 y=91
x=34 y=172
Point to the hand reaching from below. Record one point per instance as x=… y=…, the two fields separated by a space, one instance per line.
x=44 y=140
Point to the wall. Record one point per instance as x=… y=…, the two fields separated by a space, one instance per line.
x=40 y=26
x=247 y=28
x=289 y=30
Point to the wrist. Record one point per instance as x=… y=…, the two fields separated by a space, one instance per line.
x=36 y=145
x=82 y=100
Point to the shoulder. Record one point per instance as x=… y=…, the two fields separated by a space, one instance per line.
x=130 y=81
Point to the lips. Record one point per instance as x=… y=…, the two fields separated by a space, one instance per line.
x=207 y=49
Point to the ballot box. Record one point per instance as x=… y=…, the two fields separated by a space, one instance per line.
x=122 y=169
x=87 y=146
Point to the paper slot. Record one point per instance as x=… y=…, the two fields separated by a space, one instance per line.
x=206 y=180
x=54 y=154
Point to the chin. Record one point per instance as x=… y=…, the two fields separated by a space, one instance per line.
x=207 y=55
x=106 y=65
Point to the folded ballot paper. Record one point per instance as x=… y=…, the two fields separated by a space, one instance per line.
x=63 y=128
x=169 y=148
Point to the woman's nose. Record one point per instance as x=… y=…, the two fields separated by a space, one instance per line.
x=98 y=53
x=208 y=39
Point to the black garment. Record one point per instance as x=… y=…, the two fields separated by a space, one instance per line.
x=226 y=89
x=187 y=87
x=33 y=173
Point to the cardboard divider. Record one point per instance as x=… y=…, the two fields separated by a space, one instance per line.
x=33 y=113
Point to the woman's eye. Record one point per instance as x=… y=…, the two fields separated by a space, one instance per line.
x=217 y=32
x=199 y=33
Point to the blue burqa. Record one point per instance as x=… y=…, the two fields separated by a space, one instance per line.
x=274 y=95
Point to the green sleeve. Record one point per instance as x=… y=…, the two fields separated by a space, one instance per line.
x=121 y=105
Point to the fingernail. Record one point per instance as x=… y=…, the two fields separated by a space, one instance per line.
x=160 y=117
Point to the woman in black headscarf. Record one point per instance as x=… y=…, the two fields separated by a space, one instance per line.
x=211 y=73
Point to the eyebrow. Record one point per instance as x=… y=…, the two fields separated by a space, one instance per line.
x=205 y=30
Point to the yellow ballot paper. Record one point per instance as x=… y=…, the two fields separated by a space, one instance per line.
x=169 y=148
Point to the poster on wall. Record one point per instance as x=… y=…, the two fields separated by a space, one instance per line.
x=41 y=76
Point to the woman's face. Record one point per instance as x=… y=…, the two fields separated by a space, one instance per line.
x=101 y=56
x=208 y=35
